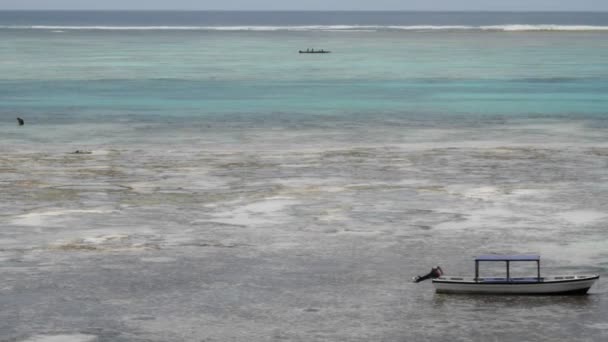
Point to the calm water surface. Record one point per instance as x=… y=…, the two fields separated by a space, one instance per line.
x=239 y=191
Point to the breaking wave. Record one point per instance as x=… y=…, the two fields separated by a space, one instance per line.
x=345 y=28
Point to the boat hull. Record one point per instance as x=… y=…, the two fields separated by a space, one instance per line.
x=578 y=286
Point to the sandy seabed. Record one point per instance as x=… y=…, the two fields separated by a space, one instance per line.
x=299 y=236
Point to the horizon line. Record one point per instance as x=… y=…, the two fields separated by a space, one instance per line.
x=300 y=10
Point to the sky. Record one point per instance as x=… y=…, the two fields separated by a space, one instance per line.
x=436 y=5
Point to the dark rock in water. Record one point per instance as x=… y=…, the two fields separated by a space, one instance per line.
x=81 y=152
x=20 y=121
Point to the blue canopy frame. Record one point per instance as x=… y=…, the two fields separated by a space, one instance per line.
x=516 y=257
x=508 y=259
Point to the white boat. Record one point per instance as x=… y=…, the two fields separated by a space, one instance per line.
x=552 y=285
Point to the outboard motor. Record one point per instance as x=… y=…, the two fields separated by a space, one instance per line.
x=436 y=272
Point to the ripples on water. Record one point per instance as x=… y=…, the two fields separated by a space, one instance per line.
x=236 y=191
x=309 y=232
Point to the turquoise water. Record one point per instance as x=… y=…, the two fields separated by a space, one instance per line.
x=90 y=74
x=227 y=188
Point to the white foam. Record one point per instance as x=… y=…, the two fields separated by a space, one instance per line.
x=40 y=218
x=510 y=28
x=258 y=213
x=62 y=338
x=528 y=192
x=493 y=193
x=430 y=27
x=304 y=185
x=573 y=253
x=599 y=326
x=109 y=242
x=344 y=28
x=157 y=259
x=98 y=240
x=412 y=182
x=492 y=218
x=485 y=193
x=581 y=217
x=269 y=206
x=332 y=215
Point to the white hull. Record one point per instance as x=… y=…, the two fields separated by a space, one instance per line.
x=525 y=286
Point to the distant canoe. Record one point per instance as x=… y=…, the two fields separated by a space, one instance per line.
x=314 y=51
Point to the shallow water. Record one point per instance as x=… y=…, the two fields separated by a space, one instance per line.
x=299 y=237
x=297 y=204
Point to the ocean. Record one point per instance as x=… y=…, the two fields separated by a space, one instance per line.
x=227 y=188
